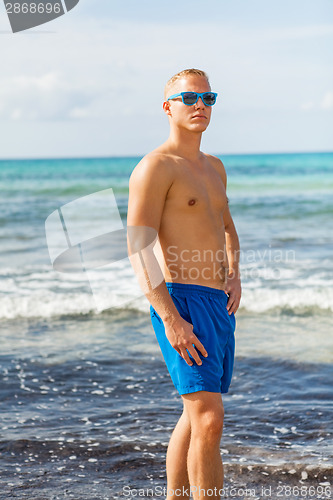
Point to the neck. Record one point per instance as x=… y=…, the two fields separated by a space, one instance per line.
x=185 y=143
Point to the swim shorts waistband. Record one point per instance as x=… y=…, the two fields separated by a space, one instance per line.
x=191 y=288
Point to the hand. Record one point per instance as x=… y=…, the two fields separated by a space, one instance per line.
x=181 y=337
x=234 y=290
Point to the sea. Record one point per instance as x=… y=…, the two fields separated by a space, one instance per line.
x=87 y=405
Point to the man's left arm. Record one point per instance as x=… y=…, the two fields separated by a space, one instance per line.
x=233 y=285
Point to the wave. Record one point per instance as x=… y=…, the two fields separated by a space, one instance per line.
x=39 y=291
x=306 y=300
x=48 y=304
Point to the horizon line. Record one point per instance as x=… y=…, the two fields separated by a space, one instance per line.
x=142 y=155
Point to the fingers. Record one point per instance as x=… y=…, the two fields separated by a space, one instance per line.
x=234 y=291
x=195 y=355
x=187 y=344
x=233 y=303
x=184 y=354
x=190 y=348
x=230 y=304
x=199 y=346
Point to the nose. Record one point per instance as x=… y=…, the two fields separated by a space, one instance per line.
x=200 y=104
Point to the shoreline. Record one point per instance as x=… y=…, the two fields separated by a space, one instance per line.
x=132 y=479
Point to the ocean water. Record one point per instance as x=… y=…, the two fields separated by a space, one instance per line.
x=87 y=406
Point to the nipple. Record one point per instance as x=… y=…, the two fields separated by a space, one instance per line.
x=192 y=201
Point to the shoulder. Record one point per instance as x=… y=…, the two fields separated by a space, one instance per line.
x=153 y=168
x=218 y=165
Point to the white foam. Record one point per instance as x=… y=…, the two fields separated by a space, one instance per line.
x=39 y=291
x=263 y=299
x=42 y=292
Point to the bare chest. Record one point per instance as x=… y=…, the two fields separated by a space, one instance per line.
x=197 y=191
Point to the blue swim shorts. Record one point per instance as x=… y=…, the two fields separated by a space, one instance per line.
x=205 y=308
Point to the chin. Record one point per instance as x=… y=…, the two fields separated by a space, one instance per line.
x=200 y=127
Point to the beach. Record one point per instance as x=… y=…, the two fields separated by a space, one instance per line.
x=87 y=403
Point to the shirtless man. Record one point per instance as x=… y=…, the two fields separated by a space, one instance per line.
x=180 y=192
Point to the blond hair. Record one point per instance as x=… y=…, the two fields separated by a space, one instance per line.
x=182 y=74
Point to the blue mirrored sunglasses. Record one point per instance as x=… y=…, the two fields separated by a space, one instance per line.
x=190 y=98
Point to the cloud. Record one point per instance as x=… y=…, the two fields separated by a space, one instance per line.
x=306 y=106
x=46 y=97
x=327 y=102
x=299 y=32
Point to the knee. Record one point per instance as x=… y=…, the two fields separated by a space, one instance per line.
x=210 y=425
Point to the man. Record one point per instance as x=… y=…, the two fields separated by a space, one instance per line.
x=179 y=193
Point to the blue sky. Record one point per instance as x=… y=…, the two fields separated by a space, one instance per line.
x=90 y=83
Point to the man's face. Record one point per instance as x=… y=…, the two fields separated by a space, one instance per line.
x=195 y=118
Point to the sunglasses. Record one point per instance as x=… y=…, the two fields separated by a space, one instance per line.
x=190 y=98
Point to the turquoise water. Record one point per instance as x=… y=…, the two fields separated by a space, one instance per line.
x=280 y=203
x=312 y=171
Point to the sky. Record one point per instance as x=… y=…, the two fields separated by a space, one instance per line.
x=90 y=83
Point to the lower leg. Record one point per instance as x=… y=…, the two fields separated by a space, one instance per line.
x=204 y=462
x=176 y=460
x=205 y=467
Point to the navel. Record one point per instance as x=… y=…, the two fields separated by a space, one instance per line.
x=192 y=201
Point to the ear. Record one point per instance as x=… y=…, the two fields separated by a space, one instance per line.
x=166 y=107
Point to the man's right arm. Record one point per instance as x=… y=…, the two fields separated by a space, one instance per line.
x=148 y=187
